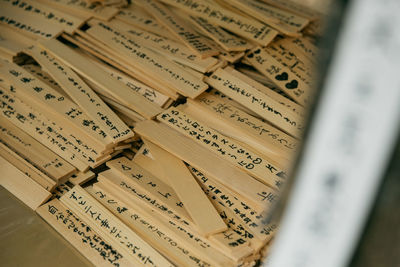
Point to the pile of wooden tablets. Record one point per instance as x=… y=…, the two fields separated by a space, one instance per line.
x=155 y=132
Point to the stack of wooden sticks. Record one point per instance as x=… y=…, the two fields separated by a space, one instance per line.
x=157 y=132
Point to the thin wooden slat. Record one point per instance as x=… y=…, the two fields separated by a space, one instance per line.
x=52 y=16
x=293 y=106
x=244 y=213
x=242 y=26
x=204 y=160
x=151 y=94
x=243 y=127
x=180 y=28
x=138 y=17
x=266 y=107
x=99 y=77
x=25 y=167
x=226 y=40
x=21 y=186
x=47 y=101
x=263 y=169
x=80 y=235
x=294 y=7
x=31 y=24
x=189 y=192
x=112 y=59
x=37 y=126
x=238 y=221
x=136 y=177
x=285 y=22
x=83 y=9
x=170 y=49
x=192 y=240
x=37 y=154
x=112 y=229
x=82 y=177
x=152 y=63
x=144 y=225
x=39 y=73
x=83 y=95
x=281 y=76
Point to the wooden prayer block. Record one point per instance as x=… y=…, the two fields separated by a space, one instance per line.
x=80 y=235
x=21 y=186
x=112 y=229
x=189 y=192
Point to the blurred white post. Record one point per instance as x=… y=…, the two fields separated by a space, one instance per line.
x=353 y=135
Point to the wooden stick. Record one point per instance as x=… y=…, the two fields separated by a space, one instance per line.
x=21 y=186
x=189 y=192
